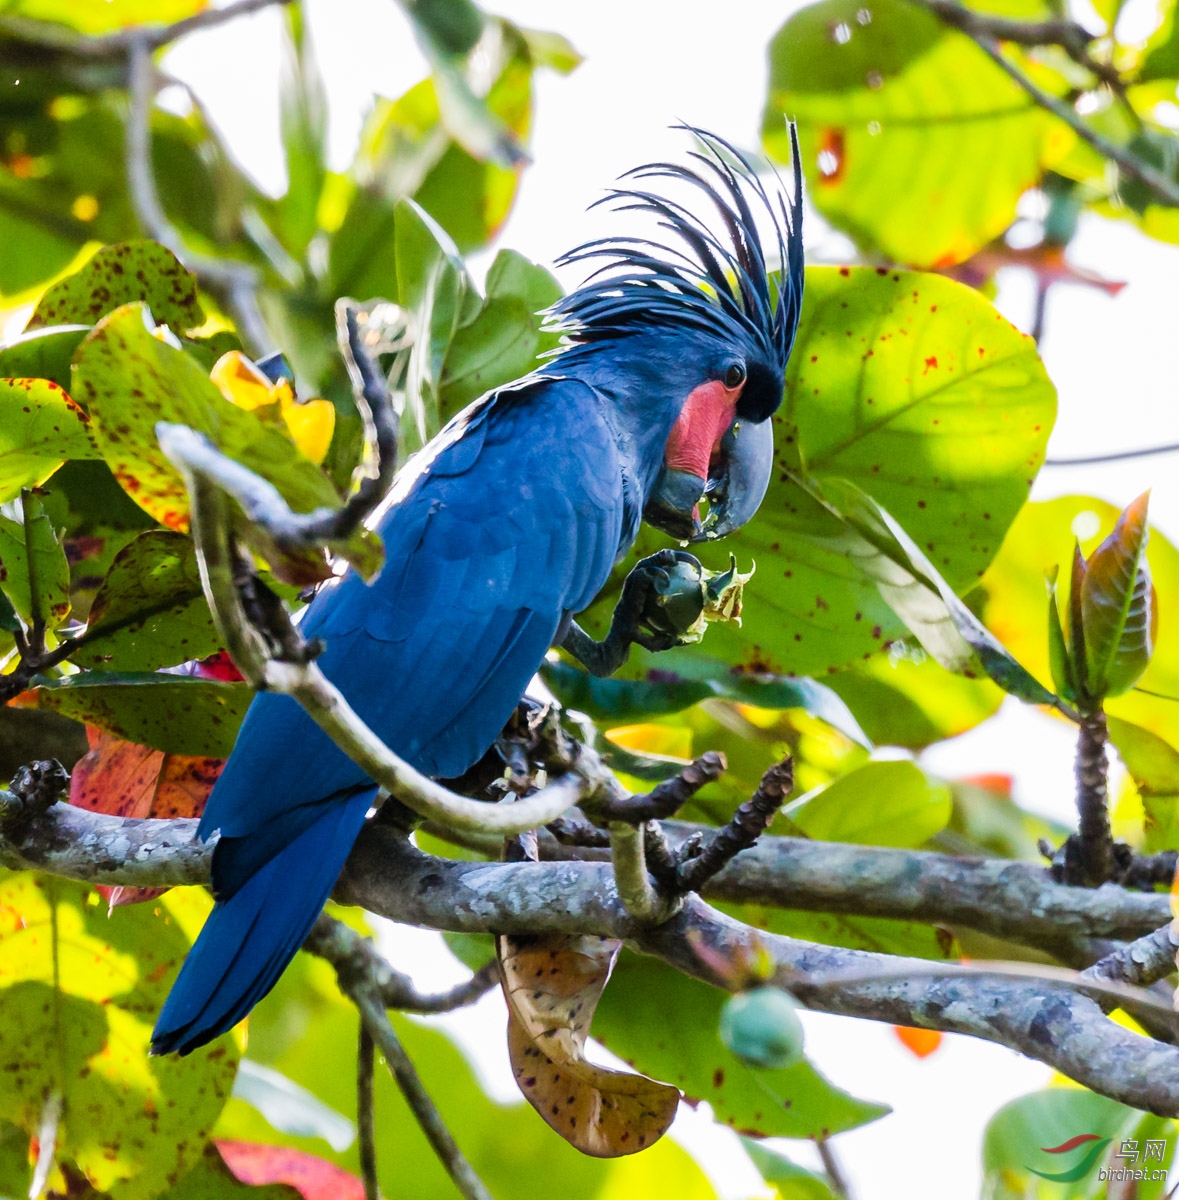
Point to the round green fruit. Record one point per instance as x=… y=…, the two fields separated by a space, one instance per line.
x=762 y=1027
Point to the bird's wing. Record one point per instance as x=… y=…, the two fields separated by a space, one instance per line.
x=513 y=522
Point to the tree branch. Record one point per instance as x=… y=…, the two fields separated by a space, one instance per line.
x=357 y=957
x=401 y=1067
x=1047 y=1021
x=365 y=1114
x=1016 y=901
x=962 y=19
x=236 y=282
x=1142 y=962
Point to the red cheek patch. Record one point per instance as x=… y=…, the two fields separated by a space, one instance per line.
x=707 y=414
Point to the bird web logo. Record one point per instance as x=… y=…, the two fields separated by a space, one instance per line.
x=1083 y=1165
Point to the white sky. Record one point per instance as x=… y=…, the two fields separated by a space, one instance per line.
x=1115 y=362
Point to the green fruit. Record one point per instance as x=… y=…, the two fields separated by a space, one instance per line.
x=678 y=599
x=762 y=1028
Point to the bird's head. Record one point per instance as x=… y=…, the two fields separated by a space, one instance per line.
x=711 y=324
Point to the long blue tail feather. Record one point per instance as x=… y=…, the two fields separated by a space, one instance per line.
x=222 y=978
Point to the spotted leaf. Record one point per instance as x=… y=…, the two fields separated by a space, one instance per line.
x=34 y=573
x=130 y=379
x=40 y=427
x=128 y=780
x=122 y=274
x=150 y=609
x=78 y=995
x=553 y=984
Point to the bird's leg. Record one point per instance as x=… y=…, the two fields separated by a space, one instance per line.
x=660 y=601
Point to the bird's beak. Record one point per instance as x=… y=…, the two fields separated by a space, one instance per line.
x=738 y=478
x=738 y=474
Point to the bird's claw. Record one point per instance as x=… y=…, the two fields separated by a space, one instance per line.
x=665 y=594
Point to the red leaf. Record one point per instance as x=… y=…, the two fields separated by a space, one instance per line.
x=127 y=780
x=311 y=1177
x=218 y=666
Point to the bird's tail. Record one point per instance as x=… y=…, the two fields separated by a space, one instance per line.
x=250 y=937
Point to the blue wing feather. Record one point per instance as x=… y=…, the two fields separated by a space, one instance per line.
x=503 y=527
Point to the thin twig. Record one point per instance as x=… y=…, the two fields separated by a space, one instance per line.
x=1163 y=186
x=836 y=1176
x=1115 y=456
x=370 y=390
x=365 y=1114
x=114 y=45
x=462 y=1174
x=747 y=824
x=665 y=798
x=356 y=957
x=237 y=282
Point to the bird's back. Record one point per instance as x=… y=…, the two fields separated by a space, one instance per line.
x=508 y=526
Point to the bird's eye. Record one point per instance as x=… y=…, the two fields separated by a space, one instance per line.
x=735 y=375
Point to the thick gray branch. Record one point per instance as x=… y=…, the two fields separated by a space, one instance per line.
x=1044 y=1019
x=1012 y=900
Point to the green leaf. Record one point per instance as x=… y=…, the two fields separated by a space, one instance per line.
x=1019 y=1135
x=40 y=427
x=130 y=380
x=913 y=141
x=1044 y=536
x=33 y=568
x=903 y=697
x=1063 y=676
x=1117 y=606
x=150 y=610
x=685 y=679
x=303 y=122
x=433 y=285
x=174 y=713
x=790 y=1181
x=916 y=391
x=122 y=274
x=632 y=1021
x=43 y=354
x=880 y=804
x=1153 y=765
x=413 y=146
x=503 y=341
x=454 y=26
x=78 y=995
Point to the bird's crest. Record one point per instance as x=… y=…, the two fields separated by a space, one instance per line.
x=715 y=285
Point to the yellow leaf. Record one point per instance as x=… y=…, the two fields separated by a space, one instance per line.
x=669 y=741
x=310 y=425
